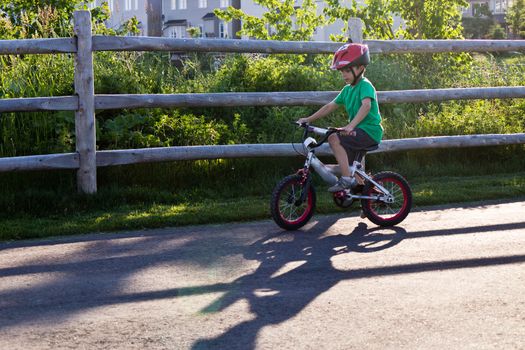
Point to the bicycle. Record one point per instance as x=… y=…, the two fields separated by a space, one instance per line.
x=386 y=197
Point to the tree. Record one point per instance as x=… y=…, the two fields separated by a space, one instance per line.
x=420 y=19
x=376 y=16
x=437 y=19
x=481 y=10
x=496 y=31
x=282 y=20
x=476 y=27
x=516 y=18
x=38 y=18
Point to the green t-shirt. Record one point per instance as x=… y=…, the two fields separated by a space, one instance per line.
x=352 y=96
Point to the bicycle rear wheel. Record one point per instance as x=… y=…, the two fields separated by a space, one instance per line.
x=385 y=213
x=290 y=209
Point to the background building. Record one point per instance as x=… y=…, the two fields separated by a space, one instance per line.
x=147 y=12
x=496 y=8
x=179 y=15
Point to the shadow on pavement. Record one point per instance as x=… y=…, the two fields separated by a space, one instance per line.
x=96 y=276
x=285 y=295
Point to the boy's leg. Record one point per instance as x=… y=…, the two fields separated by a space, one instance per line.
x=358 y=141
x=340 y=154
x=342 y=159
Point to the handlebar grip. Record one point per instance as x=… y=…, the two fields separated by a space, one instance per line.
x=303 y=125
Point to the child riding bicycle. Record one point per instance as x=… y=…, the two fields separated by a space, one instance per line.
x=360 y=100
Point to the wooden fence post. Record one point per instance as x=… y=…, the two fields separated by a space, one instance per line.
x=355 y=30
x=85 y=115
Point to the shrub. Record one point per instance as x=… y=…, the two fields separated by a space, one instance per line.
x=158 y=129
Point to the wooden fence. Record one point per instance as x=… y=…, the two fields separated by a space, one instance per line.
x=86 y=159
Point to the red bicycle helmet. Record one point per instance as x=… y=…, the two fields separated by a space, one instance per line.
x=351 y=55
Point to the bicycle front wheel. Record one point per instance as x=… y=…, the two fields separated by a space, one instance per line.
x=289 y=207
x=384 y=213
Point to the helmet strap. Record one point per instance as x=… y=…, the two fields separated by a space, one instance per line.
x=357 y=77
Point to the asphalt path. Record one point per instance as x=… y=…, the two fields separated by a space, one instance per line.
x=444 y=278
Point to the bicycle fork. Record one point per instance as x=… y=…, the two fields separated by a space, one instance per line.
x=385 y=196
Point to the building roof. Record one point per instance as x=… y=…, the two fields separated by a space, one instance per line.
x=176 y=22
x=209 y=15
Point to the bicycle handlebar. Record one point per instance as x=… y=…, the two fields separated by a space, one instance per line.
x=318 y=131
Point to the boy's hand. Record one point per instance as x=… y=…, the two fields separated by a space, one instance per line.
x=302 y=121
x=347 y=131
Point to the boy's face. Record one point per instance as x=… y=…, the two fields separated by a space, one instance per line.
x=346 y=72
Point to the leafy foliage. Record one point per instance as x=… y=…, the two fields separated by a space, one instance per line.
x=421 y=19
x=157 y=129
x=36 y=18
x=440 y=19
x=516 y=18
x=496 y=31
x=282 y=20
x=23 y=19
x=476 y=28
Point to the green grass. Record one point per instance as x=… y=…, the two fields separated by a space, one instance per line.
x=41 y=204
x=146 y=214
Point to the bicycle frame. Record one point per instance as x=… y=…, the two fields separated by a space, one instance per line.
x=328 y=175
x=294 y=197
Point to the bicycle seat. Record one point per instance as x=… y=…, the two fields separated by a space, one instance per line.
x=361 y=152
x=367 y=149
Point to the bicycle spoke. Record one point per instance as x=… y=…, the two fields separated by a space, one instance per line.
x=395 y=203
x=390 y=209
x=288 y=207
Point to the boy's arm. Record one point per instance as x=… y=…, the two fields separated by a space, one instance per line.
x=322 y=112
x=363 y=111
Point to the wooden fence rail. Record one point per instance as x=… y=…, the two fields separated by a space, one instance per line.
x=38 y=46
x=115 y=43
x=86 y=159
x=146 y=155
x=304 y=98
x=178 y=153
x=239 y=99
x=39 y=104
x=106 y=43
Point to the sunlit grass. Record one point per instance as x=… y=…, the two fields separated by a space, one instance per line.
x=443 y=190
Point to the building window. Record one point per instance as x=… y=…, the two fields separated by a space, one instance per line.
x=480 y=10
x=203 y=4
x=182 y=4
x=177 y=32
x=224 y=3
x=173 y=4
x=131 y=5
x=223 y=30
x=501 y=6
